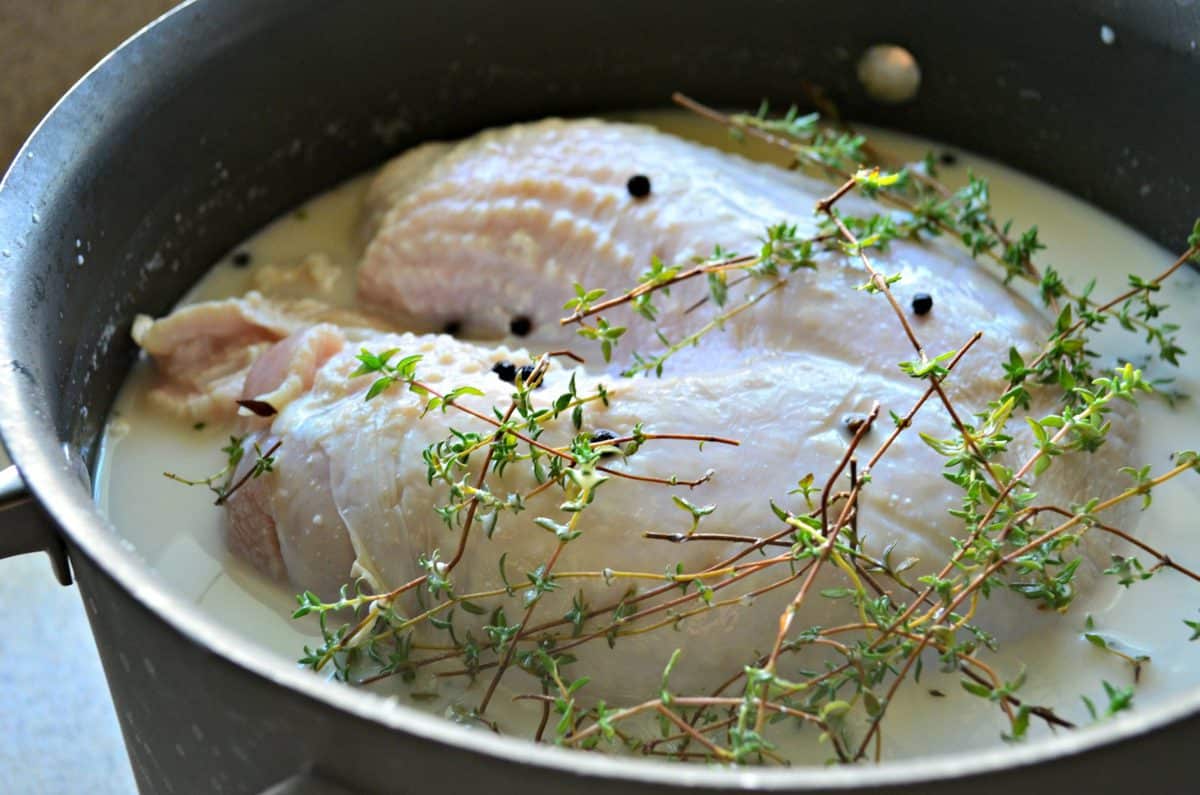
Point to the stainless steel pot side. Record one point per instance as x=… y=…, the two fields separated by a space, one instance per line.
x=225 y=113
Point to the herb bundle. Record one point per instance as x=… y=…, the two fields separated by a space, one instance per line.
x=1010 y=541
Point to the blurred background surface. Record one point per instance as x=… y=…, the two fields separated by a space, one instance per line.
x=59 y=731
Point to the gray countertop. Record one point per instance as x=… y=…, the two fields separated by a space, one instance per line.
x=60 y=732
x=56 y=717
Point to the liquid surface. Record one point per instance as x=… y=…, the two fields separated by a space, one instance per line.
x=313 y=251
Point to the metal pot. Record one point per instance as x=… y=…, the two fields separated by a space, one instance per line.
x=225 y=113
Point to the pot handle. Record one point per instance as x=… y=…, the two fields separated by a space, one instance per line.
x=24 y=526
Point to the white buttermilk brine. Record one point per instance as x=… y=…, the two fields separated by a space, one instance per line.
x=314 y=251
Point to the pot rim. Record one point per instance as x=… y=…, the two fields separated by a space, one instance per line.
x=74 y=511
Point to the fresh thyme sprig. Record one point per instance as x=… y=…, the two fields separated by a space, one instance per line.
x=655 y=362
x=448 y=462
x=584 y=481
x=929 y=209
x=1033 y=546
x=222 y=483
x=781 y=253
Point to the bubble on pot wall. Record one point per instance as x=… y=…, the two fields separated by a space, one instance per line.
x=889 y=73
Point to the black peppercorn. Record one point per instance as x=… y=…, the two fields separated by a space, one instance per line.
x=922 y=303
x=526 y=373
x=241 y=259
x=948 y=158
x=638 y=186
x=452 y=327
x=852 y=422
x=600 y=437
x=520 y=325
x=505 y=371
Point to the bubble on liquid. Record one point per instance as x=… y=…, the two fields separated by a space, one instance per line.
x=889 y=73
x=1107 y=35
